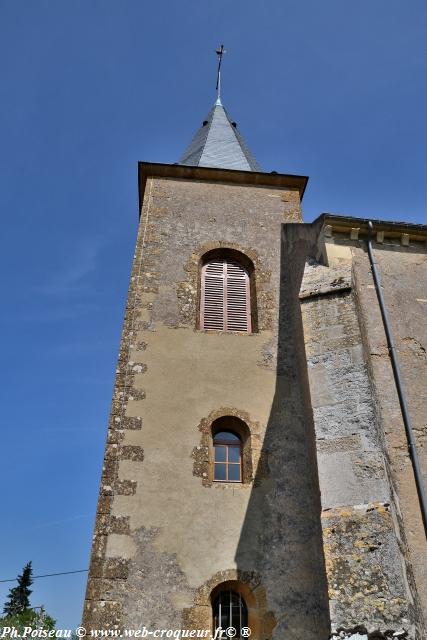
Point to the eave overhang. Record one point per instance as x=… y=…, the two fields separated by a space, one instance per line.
x=391 y=229
x=208 y=174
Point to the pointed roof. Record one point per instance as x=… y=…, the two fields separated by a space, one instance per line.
x=219 y=144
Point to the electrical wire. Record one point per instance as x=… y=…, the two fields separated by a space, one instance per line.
x=48 y=575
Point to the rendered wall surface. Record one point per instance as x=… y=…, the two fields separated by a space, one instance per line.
x=165 y=536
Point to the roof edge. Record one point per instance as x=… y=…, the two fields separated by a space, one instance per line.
x=341 y=223
x=231 y=176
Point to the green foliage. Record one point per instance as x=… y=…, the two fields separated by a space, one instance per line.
x=29 y=618
x=19 y=596
x=17 y=608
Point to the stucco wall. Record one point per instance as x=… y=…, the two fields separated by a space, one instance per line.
x=164 y=537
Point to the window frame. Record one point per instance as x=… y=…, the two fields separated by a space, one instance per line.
x=229 y=422
x=223 y=443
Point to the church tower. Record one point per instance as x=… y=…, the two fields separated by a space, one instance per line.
x=209 y=509
x=241 y=346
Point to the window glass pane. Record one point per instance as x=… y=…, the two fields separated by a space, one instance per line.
x=226 y=436
x=220 y=472
x=234 y=472
x=220 y=453
x=233 y=454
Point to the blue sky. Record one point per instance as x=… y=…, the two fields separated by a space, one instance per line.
x=334 y=90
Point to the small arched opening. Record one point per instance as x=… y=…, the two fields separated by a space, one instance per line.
x=229 y=610
x=231 y=450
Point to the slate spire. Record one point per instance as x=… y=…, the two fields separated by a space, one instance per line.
x=218 y=143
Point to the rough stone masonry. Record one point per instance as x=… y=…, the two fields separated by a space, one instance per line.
x=324 y=527
x=374 y=541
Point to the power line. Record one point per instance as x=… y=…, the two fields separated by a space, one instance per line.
x=48 y=575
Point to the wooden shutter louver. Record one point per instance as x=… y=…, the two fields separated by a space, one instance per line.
x=225 y=304
x=213 y=295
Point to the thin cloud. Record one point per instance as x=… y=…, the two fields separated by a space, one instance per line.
x=54 y=523
x=68 y=429
x=55 y=314
x=78 y=348
x=72 y=276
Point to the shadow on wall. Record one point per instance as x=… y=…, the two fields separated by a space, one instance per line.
x=280 y=551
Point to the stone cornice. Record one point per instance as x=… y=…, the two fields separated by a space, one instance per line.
x=208 y=174
x=357 y=228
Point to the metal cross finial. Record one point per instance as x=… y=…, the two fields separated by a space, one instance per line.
x=219 y=52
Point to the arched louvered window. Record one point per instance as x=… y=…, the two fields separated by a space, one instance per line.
x=225 y=296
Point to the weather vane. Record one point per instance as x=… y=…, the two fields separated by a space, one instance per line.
x=219 y=52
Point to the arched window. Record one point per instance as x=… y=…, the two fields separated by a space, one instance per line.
x=227 y=457
x=230 y=610
x=225 y=294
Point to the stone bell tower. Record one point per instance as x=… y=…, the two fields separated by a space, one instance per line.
x=209 y=507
